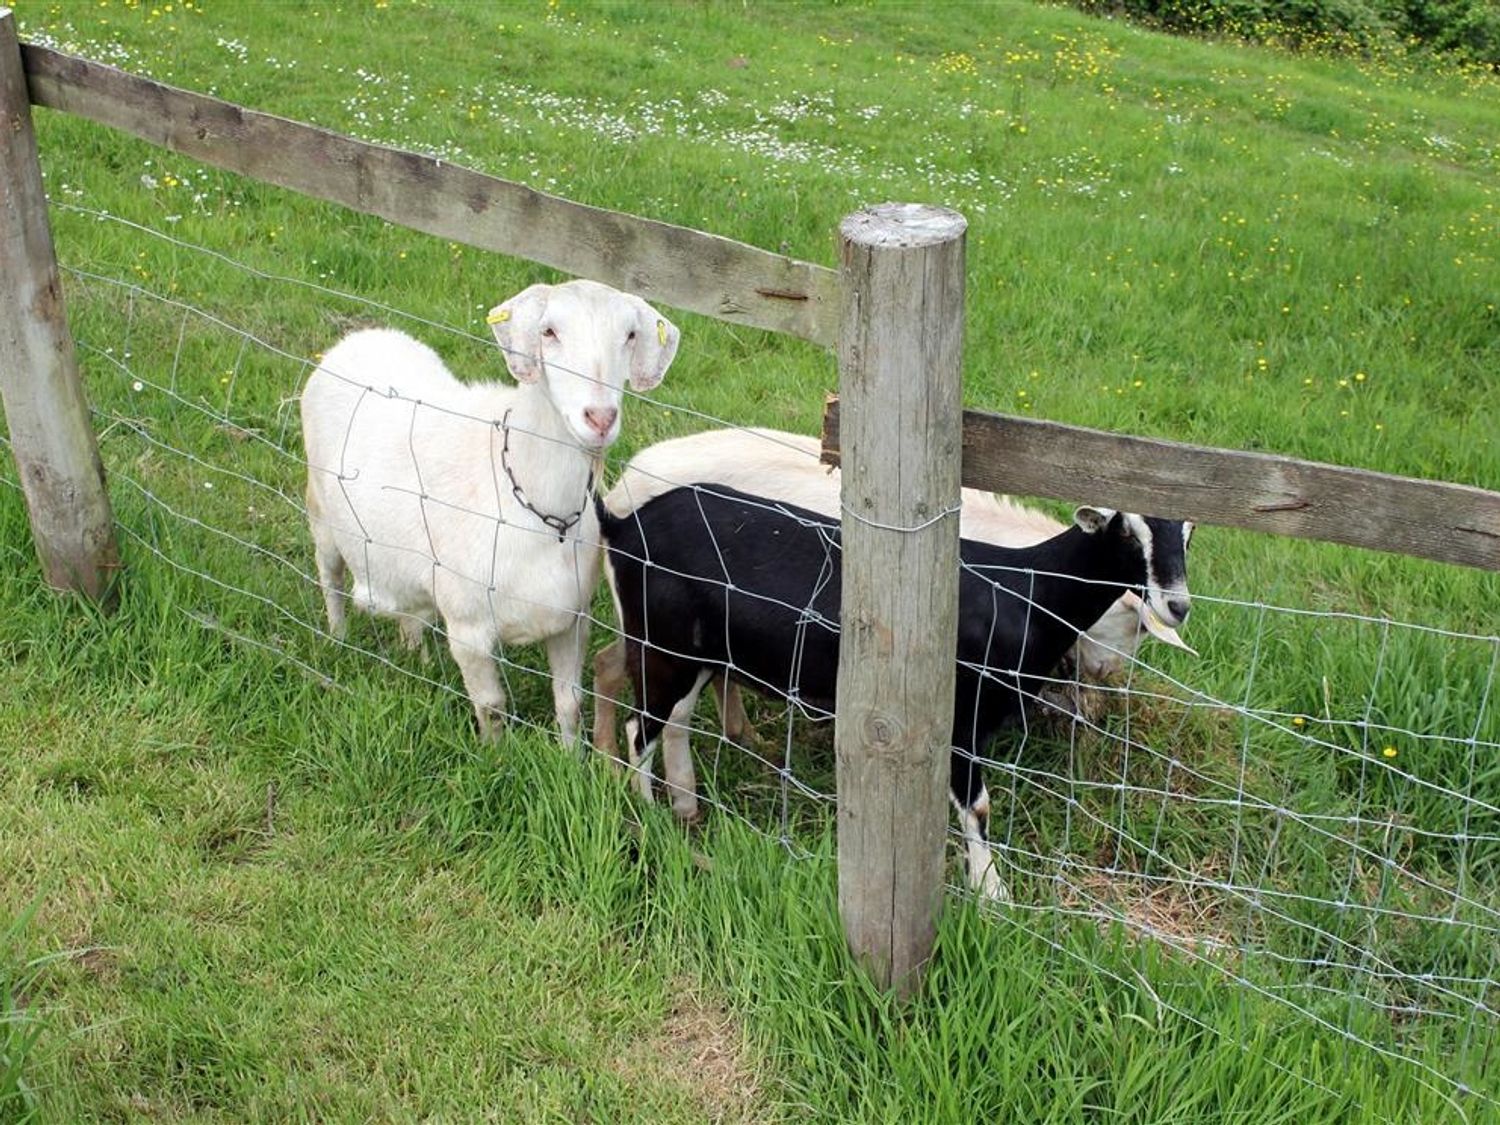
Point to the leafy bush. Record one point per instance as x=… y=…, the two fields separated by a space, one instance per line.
x=1468 y=30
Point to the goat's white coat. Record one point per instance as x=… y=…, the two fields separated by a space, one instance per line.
x=407 y=486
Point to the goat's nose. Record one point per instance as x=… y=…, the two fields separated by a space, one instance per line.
x=600 y=418
x=1178 y=608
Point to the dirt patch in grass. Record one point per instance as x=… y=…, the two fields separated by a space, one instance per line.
x=700 y=1049
x=98 y=962
x=1179 y=914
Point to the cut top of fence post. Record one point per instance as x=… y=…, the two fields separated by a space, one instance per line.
x=903 y=225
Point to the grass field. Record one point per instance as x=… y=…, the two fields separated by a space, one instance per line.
x=254 y=876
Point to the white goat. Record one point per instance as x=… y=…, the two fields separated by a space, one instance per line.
x=473 y=502
x=784 y=466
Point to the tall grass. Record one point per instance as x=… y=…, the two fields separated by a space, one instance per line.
x=308 y=892
x=19 y=1026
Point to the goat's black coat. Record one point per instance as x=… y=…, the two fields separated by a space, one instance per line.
x=709 y=578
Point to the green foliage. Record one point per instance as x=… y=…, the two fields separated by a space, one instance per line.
x=1466 y=30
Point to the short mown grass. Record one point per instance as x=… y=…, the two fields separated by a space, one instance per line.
x=255 y=875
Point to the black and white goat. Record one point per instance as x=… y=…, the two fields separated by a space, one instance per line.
x=785 y=467
x=708 y=580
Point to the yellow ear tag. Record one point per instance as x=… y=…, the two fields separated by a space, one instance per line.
x=661 y=332
x=499 y=316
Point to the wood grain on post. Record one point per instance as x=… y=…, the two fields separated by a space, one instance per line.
x=45 y=408
x=900 y=354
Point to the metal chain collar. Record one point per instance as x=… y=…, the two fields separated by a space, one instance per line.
x=556 y=523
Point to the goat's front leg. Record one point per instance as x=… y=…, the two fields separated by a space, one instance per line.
x=565 y=653
x=979 y=858
x=677 y=753
x=331 y=570
x=609 y=682
x=971 y=800
x=473 y=650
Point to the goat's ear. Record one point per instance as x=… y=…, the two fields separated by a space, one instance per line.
x=516 y=324
x=1093 y=520
x=655 y=346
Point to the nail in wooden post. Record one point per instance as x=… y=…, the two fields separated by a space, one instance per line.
x=45 y=408
x=900 y=357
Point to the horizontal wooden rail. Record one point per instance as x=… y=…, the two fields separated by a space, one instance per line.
x=1450 y=523
x=678 y=266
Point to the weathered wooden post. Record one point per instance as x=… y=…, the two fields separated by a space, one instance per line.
x=45 y=408
x=900 y=382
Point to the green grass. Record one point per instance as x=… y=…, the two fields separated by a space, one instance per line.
x=273 y=878
x=19 y=1026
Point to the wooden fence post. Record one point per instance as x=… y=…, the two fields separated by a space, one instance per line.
x=45 y=407
x=900 y=382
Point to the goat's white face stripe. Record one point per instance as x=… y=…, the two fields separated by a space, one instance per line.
x=1157 y=596
x=1142 y=532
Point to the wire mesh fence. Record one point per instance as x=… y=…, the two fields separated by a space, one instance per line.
x=1309 y=808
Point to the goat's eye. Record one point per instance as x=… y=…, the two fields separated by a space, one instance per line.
x=549 y=333
x=630 y=336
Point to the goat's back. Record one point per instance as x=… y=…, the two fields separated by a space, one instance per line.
x=758 y=462
x=786 y=466
x=366 y=395
x=385 y=422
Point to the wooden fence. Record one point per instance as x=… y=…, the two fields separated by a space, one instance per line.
x=1451 y=523
x=895 y=312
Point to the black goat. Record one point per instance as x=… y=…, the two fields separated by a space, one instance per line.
x=707 y=580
